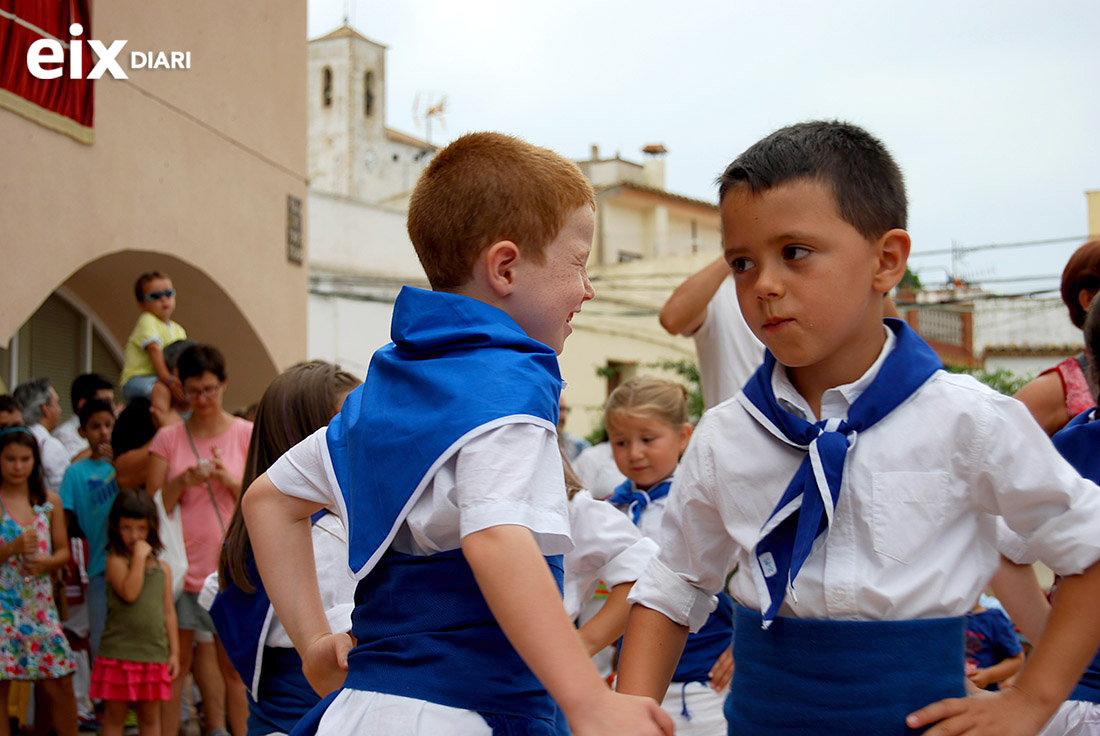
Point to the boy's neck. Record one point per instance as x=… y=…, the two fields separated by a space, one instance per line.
x=812 y=382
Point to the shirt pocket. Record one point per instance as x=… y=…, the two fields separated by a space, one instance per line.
x=908 y=512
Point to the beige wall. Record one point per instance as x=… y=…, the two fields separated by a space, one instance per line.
x=190 y=171
x=1094 y=213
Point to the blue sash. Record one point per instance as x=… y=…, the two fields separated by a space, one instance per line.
x=803 y=677
x=284 y=695
x=424 y=631
x=455 y=365
x=804 y=514
x=1079 y=443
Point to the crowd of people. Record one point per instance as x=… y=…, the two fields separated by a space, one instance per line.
x=428 y=550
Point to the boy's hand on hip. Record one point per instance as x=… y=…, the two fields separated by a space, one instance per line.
x=1010 y=712
x=325 y=662
x=617 y=713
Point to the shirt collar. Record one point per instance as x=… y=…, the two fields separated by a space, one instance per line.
x=836 y=401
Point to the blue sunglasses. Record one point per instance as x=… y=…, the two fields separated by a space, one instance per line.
x=153 y=296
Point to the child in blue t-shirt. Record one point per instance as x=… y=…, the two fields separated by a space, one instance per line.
x=87 y=491
x=993 y=651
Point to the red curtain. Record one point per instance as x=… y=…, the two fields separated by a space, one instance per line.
x=63 y=104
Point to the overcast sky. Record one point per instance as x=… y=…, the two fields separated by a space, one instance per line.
x=991 y=108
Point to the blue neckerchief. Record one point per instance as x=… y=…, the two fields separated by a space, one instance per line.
x=242 y=621
x=456 y=368
x=805 y=511
x=636 y=501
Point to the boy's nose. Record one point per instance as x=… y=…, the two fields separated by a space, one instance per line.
x=768 y=283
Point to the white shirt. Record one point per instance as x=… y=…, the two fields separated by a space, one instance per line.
x=606 y=546
x=68 y=432
x=597 y=471
x=913 y=533
x=728 y=352
x=511 y=474
x=55 y=460
x=480 y=486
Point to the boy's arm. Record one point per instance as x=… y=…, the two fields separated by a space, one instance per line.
x=1017 y=588
x=1069 y=643
x=686 y=308
x=279 y=528
x=651 y=648
x=156 y=356
x=513 y=577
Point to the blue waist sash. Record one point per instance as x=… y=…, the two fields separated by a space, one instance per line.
x=705 y=645
x=806 y=677
x=1088 y=688
x=424 y=631
x=284 y=696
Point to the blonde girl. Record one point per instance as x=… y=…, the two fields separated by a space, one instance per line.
x=647 y=425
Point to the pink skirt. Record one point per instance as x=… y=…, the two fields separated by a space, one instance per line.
x=119 y=680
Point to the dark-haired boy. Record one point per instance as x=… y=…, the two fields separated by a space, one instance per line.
x=155 y=330
x=85 y=386
x=446 y=470
x=853 y=481
x=87 y=491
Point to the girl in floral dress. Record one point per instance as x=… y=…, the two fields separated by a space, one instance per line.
x=33 y=543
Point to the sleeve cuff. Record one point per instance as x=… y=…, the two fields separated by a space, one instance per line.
x=666 y=592
x=628 y=566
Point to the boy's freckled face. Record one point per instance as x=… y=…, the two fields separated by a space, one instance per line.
x=548 y=294
x=165 y=305
x=803 y=276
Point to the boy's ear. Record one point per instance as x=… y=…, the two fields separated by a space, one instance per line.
x=500 y=262
x=82 y=433
x=893 y=255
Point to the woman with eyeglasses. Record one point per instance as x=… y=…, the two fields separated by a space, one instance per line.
x=197 y=465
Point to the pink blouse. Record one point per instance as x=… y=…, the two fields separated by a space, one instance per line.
x=202 y=531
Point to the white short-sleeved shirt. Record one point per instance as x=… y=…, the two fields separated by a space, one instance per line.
x=606 y=546
x=483 y=485
x=727 y=350
x=913 y=535
x=55 y=459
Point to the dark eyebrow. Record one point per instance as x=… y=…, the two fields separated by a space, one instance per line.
x=792 y=235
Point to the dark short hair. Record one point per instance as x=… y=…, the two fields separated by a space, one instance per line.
x=866 y=182
x=142 y=280
x=1082 y=273
x=201 y=358
x=173 y=351
x=132 y=503
x=86 y=386
x=92 y=407
x=10 y=403
x=134 y=427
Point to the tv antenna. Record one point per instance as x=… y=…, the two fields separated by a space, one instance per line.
x=427 y=107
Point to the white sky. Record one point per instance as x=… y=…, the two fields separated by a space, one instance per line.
x=991 y=108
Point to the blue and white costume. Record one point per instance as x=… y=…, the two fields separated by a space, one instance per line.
x=911 y=540
x=452 y=432
x=696 y=708
x=258 y=645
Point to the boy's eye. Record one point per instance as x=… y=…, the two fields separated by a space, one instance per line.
x=741 y=264
x=795 y=252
